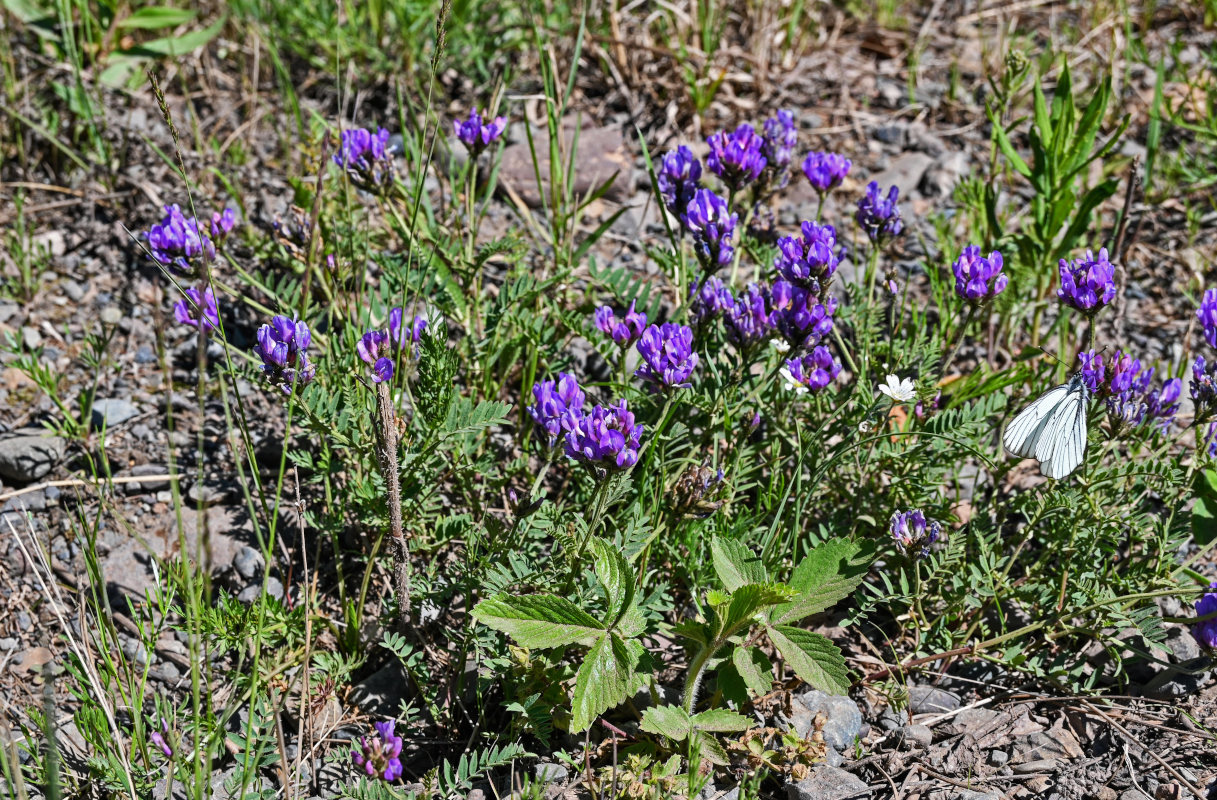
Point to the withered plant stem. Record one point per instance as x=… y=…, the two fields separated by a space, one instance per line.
x=386 y=423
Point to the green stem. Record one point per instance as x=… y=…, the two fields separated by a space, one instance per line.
x=958 y=341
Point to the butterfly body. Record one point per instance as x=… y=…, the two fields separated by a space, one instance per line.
x=1052 y=429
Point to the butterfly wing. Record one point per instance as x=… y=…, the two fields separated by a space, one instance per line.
x=1062 y=446
x=1027 y=429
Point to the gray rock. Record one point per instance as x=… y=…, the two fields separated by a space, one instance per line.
x=1179 y=681
x=905 y=171
x=250 y=594
x=550 y=773
x=145 y=355
x=137 y=487
x=248 y=563
x=832 y=758
x=892 y=94
x=828 y=783
x=111 y=411
x=31 y=338
x=382 y=692
x=893 y=133
x=945 y=174
x=998 y=758
x=842 y=719
x=931 y=700
x=1135 y=794
x=968 y=794
x=24 y=621
x=8 y=643
x=30 y=501
x=1182 y=644
x=209 y=494
x=29 y=455
x=910 y=736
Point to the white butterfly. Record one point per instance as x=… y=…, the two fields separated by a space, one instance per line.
x=1053 y=429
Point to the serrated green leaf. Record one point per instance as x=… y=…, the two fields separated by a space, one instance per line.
x=695 y=631
x=608 y=675
x=735 y=564
x=813 y=657
x=826 y=575
x=721 y=720
x=744 y=604
x=669 y=721
x=754 y=668
x=539 y=621
x=616 y=577
x=710 y=749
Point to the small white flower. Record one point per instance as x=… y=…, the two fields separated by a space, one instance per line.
x=781 y=345
x=901 y=391
x=791 y=384
x=864 y=426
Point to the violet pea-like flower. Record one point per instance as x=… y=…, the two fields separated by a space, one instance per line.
x=605 y=438
x=624 y=330
x=808 y=260
x=198 y=308
x=713 y=227
x=1206 y=631
x=476 y=133
x=1088 y=283
x=375 y=347
x=913 y=533
x=667 y=356
x=709 y=300
x=676 y=178
x=812 y=372
x=1093 y=370
x=753 y=318
x=978 y=279
x=282 y=346
x=365 y=157
x=736 y=157
x=801 y=316
x=879 y=216
x=379 y=755
x=779 y=138
x=825 y=171
x=178 y=242
x=1207 y=314
x=558 y=407
x=406 y=337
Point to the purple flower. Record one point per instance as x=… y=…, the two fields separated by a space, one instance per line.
x=667 y=355
x=1204 y=387
x=375 y=347
x=401 y=335
x=978 y=279
x=624 y=330
x=559 y=405
x=366 y=158
x=282 y=346
x=708 y=300
x=736 y=157
x=477 y=135
x=1206 y=631
x=913 y=533
x=825 y=171
x=1126 y=387
x=1088 y=283
x=1207 y=314
x=198 y=307
x=378 y=755
x=808 y=260
x=801 y=317
x=752 y=319
x=713 y=226
x=1163 y=404
x=677 y=177
x=812 y=372
x=606 y=437
x=880 y=216
x=158 y=738
x=778 y=141
x=177 y=241
x=222 y=224
x=1093 y=370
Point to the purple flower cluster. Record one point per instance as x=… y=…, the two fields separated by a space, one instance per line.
x=677 y=178
x=879 y=216
x=1087 y=283
x=978 y=279
x=913 y=533
x=197 y=308
x=752 y=318
x=1127 y=390
x=559 y=404
x=374 y=347
x=366 y=158
x=802 y=318
x=606 y=437
x=379 y=755
x=477 y=134
x=810 y=260
x=177 y=241
x=667 y=354
x=825 y=171
x=709 y=300
x=736 y=157
x=282 y=346
x=1206 y=631
x=1204 y=387
x=1207 y=314
x=812 y=372
x=713 y=226
x=222 y=223
x=402 y=335
x=623 y=330
x=778 y=141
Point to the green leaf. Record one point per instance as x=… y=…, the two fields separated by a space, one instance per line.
x=608 y=675
x=735 y=564
x=754 y=669
x=539 y=621
x=721 y=720
x=742 y=607
x=177 y=45
x=1204 y=512
x=154 y=17
x=1007 y=149
x=669 y=721
x=826 y=575
x=616 y=577
x=813 y=657
x=464 y=417
x=710 y=749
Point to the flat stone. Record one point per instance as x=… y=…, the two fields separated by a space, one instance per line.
x=29 y=454
x=382 y=692
x=1038 y=766
x=550 y=773
x=1055 y=743
x=828 y=783
x=997 y=758
x=905 y=172
x=248 y=562
x=111 y=411
x=28 y=502
x=602 y=154
x=274 y=588
x=945 y=174
x=931 y=700
x=910 y=736
x=842 y=719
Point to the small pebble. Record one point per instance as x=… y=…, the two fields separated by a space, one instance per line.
x=998 y=758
